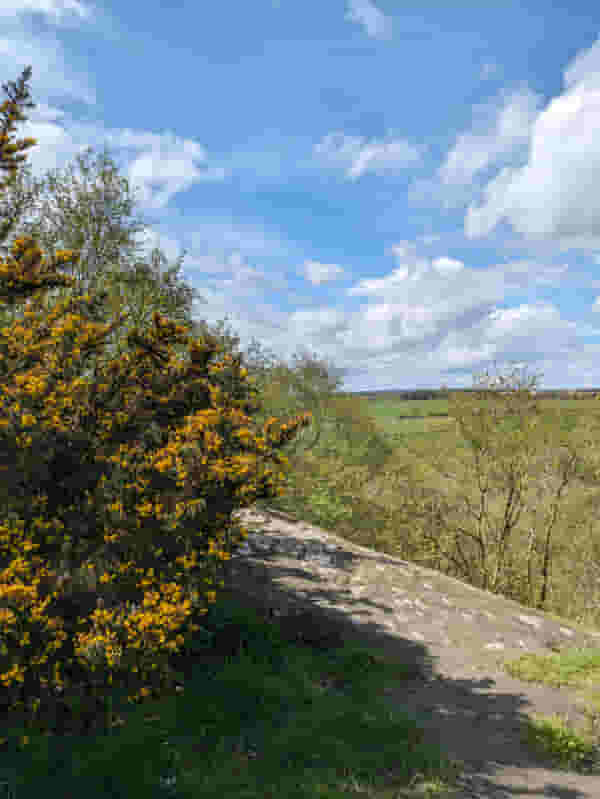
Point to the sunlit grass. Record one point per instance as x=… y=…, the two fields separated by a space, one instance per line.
x=553 y=738
x=552 y=735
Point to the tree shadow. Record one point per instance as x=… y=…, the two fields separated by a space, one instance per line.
x=478 y=720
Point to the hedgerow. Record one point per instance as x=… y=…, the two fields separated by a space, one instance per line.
x=116 y=490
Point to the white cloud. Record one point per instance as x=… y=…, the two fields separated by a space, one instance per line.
x=402 y=249
x=423 y=318
x=584 y=67
x=49 y=74
x=474 y=152
x=157 y=167
x=436 y=315
x=58 y=9
x=364 y=12
x=319 y=273
x=361 y=157
x=162 y=165
x=484 y=219
x=555 y=193
x=447 y=266
x=500 y=135
x=166 y=159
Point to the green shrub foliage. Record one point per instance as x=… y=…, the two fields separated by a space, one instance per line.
x=117 y=489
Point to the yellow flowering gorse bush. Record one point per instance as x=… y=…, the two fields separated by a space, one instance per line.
x=139 y=466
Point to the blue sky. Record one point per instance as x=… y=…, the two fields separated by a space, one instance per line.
x=408 y=190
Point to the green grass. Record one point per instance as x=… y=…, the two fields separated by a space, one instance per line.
x=261 y=723
x=552 y=735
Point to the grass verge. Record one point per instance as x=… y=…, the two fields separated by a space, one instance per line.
x=275 y=719
x=553 y=735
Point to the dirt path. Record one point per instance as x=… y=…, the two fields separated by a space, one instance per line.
x=454 y=635
x=476 y=715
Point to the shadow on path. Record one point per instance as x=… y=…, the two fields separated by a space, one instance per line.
x=475 y=712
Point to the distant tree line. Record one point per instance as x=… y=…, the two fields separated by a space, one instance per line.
x=431 y=393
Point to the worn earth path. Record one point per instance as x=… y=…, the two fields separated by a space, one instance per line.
x=455 y=636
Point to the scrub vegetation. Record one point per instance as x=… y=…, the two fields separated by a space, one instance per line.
x=126 y=428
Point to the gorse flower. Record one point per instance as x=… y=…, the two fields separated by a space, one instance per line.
x=138 y=468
